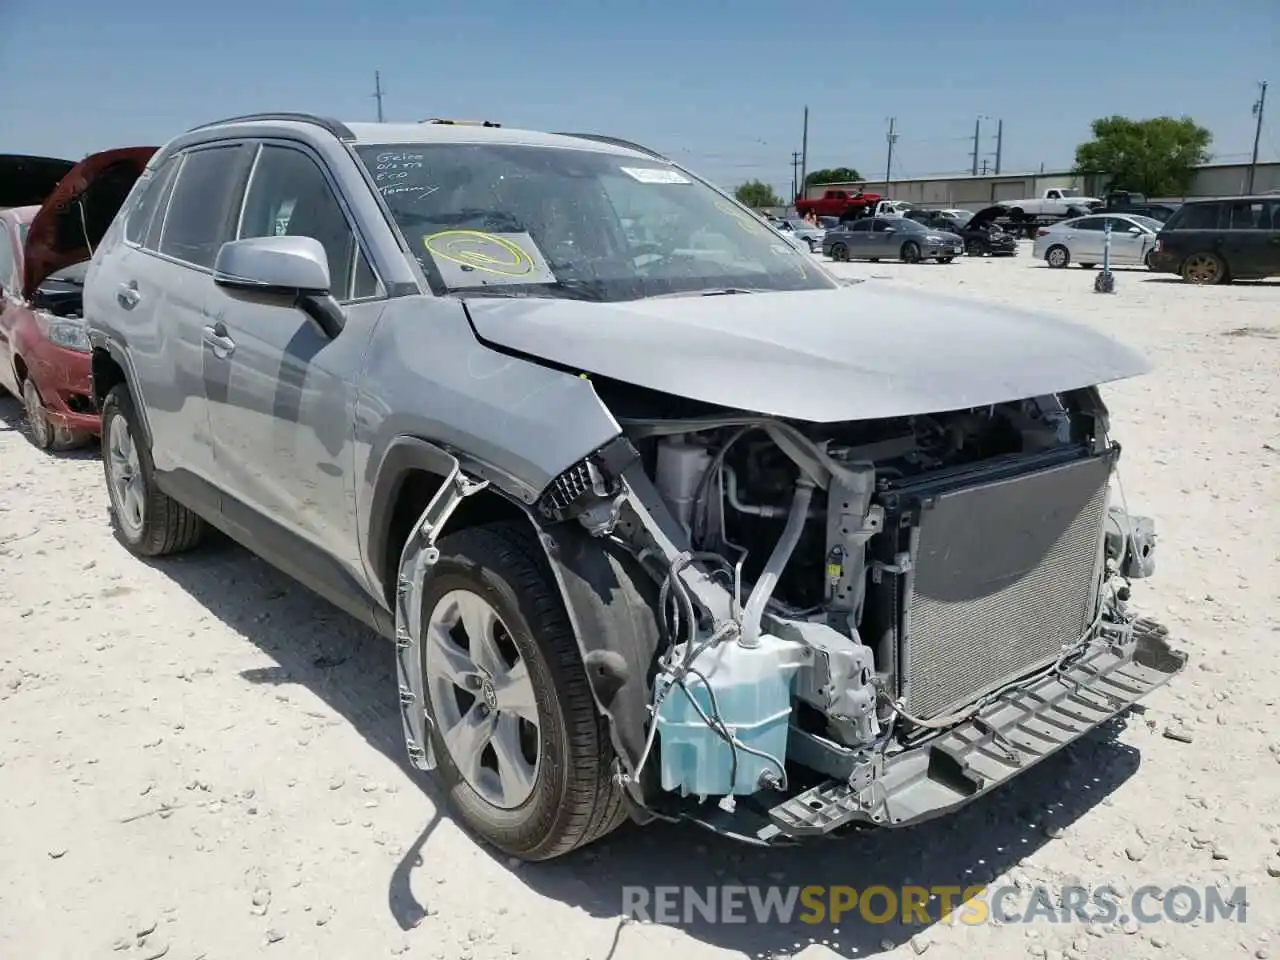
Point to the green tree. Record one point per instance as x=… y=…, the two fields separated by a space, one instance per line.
x=834 y=175
x=756 y=194
x=1157 y=157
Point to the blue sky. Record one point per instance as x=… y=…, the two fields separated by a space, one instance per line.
x=720 y=86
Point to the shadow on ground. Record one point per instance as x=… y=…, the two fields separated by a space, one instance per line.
x=352 y=669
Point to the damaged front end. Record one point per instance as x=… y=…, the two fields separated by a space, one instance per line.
x=869 y=622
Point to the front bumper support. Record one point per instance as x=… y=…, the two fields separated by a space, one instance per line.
x=1002 y=740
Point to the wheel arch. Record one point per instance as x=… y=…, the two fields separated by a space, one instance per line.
x=109 y=367
x=609 y=600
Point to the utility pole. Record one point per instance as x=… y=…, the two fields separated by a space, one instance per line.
x=892 y=137
x=804 y=154
x=377 y=91
x=999 y=144
x=1258 y=107
x=977 y=150
x=795 y=174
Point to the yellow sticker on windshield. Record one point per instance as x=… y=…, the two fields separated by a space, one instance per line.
x=477 y=250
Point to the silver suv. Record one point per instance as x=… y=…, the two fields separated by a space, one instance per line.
x=663 y=520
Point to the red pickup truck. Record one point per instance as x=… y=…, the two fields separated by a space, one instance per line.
x=839 y=203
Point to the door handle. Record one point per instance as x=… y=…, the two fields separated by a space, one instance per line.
x=221 y=344
x=127 y=295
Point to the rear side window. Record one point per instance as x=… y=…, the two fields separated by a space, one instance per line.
x=140 y=217
x=861 y=226
x=1196 y=216
x=1253 y=215
x=198 y=218
x=1091 y=223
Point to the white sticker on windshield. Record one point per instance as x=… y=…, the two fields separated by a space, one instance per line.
x=655 y=175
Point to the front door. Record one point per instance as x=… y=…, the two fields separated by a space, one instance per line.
x=282 y=397
x=10 y=302
x=1127 y=248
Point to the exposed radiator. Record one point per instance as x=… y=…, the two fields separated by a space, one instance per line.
x=1004 y=578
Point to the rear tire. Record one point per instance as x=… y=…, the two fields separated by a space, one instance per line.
x=1206 y=268
x=148 y=522
x=567 y=796
x=840 y=253
x=1057 y=256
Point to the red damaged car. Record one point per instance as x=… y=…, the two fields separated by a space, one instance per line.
x=52 y=215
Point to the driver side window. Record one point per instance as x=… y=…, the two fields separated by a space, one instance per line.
x=289 y=196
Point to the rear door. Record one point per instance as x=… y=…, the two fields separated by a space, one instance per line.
x=884 y=240
x=1251 y=239
x=162 y=286
x=1084 y=239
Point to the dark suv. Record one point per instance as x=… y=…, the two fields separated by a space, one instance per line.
x=1219 y=240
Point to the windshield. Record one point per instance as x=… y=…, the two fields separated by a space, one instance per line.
x=519 y=220
x=1149 y=222
x=799 y=224
x=962 y=216
x=1068 y=192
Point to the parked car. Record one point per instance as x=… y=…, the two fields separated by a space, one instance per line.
x=948 y=218
x=1216 y=241
x=803 y=231
x=643 y=520
x=1133 y=240
x=891 y=238
x=983 y=235
x=44 y=352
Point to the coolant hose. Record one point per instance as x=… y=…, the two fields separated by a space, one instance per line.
x=777 y=562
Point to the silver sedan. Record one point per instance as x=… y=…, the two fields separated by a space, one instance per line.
x=1080 y=240
x=891 y=238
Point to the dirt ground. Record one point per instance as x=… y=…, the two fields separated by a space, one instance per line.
x=198 y=759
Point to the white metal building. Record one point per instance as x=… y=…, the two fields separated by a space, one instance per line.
x=973 y=193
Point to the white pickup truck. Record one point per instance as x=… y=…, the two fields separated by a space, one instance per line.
x=1056 y=202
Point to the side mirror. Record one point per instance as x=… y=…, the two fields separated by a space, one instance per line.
x=296 y=266
x=1135 y=231
x=273 y=265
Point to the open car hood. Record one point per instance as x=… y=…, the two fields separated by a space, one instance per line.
x=74 y=217
x=28 y=181
x=984 y=216
x=853 y=353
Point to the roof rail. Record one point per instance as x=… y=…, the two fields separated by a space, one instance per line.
x=617 y=142
x=336 y=127
x=461 y=123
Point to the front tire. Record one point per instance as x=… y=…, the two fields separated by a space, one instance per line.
x=45 y=432
x=910 y=252
x=148 y=522
x=521 y=750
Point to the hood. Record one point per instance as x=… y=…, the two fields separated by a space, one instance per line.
x=852 y=353
x=28 y=181
x=95 y=187
x=984 y=216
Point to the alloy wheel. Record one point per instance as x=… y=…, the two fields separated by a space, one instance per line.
x=482 y=698
x=1202 y=268
x=37 y=417
x=127 y=487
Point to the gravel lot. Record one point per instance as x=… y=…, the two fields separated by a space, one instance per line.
x=199 y=759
